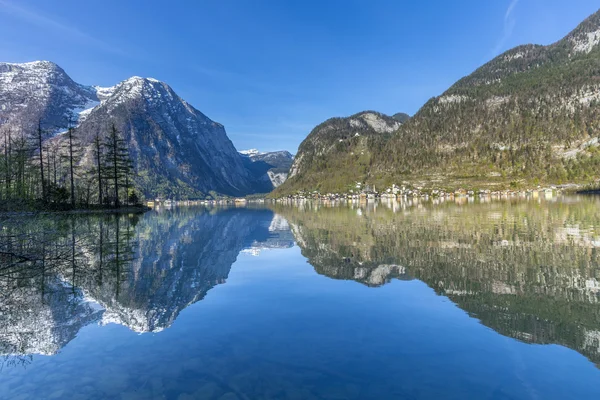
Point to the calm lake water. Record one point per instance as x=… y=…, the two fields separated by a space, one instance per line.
x=497 y=300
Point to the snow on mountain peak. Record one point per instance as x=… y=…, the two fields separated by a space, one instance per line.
x=104 y=93
x=42 y=90
x=178 y=134
x=33 y=65
x=250 y=152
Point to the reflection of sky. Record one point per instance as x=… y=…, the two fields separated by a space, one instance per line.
x=277 y=326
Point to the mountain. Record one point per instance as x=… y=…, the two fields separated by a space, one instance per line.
x=338 y=151
x=528 y=116
x=41 y=90
x=177 y=151
x=270 y=167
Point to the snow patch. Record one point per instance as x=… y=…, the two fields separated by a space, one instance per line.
x=104 y=93
x=251 y=152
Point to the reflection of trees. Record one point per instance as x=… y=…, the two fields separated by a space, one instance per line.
x=179 y=256
x=528 y=271
x=44 y=259
x=138 y=271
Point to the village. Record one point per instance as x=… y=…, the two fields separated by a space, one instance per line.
x=366 y=193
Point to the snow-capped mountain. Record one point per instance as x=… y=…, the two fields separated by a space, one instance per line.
x=41 y=90
x=269 y=166
x=251 y=152
x=177 y=150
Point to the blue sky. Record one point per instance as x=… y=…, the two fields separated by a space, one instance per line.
x=271 y=70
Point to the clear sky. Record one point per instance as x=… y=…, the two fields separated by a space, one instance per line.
x=270 y=70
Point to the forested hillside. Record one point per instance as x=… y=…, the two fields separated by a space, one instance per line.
x=339 y=152
x=528 y=116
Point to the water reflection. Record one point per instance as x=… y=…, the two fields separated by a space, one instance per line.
x=60 y=273
x=528 y=270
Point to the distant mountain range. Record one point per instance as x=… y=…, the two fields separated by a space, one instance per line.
x=177 y=151
x=529 y=116
x=273 y=165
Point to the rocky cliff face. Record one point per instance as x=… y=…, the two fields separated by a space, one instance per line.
x=177 y=150
x=173 y=145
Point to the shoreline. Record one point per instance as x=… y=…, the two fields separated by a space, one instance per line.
x=122 y=210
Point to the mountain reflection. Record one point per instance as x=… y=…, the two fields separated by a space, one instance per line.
x=65 y=272
x=527 y=270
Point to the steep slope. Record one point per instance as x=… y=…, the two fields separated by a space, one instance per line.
x=177 y=151
x=528 y=116
x=270 y=166
x=529 y=113
x=338 y=152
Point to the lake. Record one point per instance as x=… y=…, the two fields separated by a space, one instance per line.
x=388 y=300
